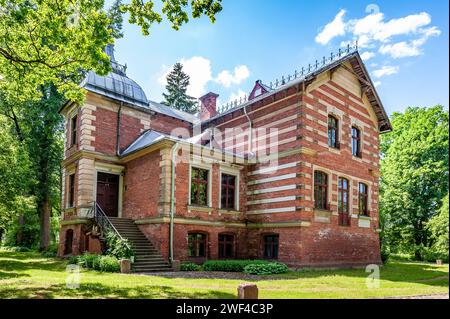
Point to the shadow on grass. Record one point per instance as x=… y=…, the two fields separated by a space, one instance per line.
x=96 y=290
x=10 y=274
x=12 y=261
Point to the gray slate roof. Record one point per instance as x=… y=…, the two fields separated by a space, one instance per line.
x=148 y=138
x=116 y=86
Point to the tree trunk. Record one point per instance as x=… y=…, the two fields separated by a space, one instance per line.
x=19 y=236
x=44 y=222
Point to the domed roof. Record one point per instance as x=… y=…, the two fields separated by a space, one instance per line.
x=116 y=84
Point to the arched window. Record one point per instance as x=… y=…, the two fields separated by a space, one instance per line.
x=226 y=245
x=197 y=245
x=271 y=246
x=68 y=242
x=343 y=201
x=320 y=190
x=356 y=142
x=363 y=199
x=333 y=132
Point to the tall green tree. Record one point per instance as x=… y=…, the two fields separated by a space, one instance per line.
x=16 y=198
x=438 y=227
x=176 y=96
x=50 y=41
x=39 y=133
x=414 y=177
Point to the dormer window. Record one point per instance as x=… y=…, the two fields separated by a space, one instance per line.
x=258 y=92
x=73 y=130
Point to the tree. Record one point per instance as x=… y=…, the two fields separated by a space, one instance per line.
x=438 y=227
x=38 y=134
x=16 y=199
x=57 y=41
x=176 y=96
x=46 y=48
x=414 y=176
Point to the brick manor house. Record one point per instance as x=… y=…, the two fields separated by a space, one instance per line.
x=290 y=173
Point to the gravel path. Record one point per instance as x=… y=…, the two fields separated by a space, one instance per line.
x=434 y=296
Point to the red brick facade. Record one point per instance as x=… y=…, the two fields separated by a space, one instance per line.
x=275 y=192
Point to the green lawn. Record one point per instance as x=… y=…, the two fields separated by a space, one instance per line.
x=29 y=275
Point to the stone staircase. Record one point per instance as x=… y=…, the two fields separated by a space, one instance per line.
x=147 y=258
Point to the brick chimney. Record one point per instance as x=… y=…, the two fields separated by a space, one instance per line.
x=208 y=107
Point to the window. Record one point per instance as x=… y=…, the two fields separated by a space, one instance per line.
x=73 y=127
x=356 y=142
x=271 y=246
x=343 y=202
x=363 y=199
x=320 y=190
x=199 y=186
x=228 y=192
x=71 y=190
x=197 y=245
x=226 y=246
x=333 y=130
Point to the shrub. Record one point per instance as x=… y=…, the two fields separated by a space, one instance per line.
x=190 y=267
x=48 y=254
x=73 y=260
x=88 y=260
x=17 y=249
x=385 y=254
x=266 y=269
x=431 y=255
x=230 y=265
x=96 y=262
x=109 y=264
x=118 y=247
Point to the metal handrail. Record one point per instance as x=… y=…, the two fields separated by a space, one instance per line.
x=104 y=222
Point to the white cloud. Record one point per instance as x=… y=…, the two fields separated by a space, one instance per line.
x=374 y=32
x=400 y=50
x=385 y=70
x=226 y=78
x=237 y=95
x=374 y=27
x=377 y=83
x=200 y=74
x=333 y=29
x=411 y=48
x=367 y=55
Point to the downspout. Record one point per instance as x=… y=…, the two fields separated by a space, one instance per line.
x=172 y=203
x=250 y=124
x=119 y=122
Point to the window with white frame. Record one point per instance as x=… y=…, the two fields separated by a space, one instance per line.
x=199 y=186
x=228 y=191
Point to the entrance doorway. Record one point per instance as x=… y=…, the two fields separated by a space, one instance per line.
x=68 y=242
x=108 y=193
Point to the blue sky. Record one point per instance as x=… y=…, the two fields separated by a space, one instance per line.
x=407 y=43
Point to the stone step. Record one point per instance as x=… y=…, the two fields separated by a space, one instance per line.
x=140 y=256
x=149 y=270
x=155 y=258
x=147 y=257
x=150 y=262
